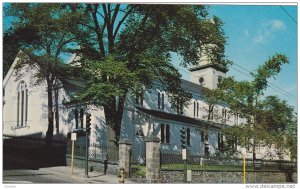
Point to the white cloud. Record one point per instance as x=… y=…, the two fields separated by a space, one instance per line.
x=267 y=31
x=277 y=25
x=258 y=38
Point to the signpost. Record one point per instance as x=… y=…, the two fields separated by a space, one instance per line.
x=183 y=151
x=244 y=165
x=257 y=164
x=73 y=139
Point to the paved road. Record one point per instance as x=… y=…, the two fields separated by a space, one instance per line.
x=32 y=176
x=60 y=174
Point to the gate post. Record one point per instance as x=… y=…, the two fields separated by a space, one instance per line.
x=153 y=159
x=124 y=155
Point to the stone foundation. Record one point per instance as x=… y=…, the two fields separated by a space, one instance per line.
x=177 y=176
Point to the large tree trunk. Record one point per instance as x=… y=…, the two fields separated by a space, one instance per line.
x=113 y=116
x=49 y=133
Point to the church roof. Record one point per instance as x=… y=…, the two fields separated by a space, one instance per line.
x=180 y=118
x=73 y=83
x=218 y=67
x=190 y=86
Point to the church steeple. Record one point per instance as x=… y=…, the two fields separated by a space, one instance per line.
x=207 y=72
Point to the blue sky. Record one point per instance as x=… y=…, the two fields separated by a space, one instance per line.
x=256 y=33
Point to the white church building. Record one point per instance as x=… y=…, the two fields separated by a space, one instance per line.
x=25 y=112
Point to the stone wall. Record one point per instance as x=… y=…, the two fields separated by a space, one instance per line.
x=124 y=154
x=176 y=176
x=94 y=165
x=152 y=159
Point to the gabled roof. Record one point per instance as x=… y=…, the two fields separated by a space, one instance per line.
x=12 y=67
x=70 y=83
x=181 y=118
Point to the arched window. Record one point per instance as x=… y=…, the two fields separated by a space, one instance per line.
x=22 y=104
x=165 y=133
x=158 y=100
x=76 y=118
x=197 y=109
x=162 y=133
x=162 y=101
x=194 y=108
x=81 y=118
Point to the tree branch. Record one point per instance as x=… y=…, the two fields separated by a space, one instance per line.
x=62 y=44
x=97 y=29
x=59 y=46
x=121 y=22
x=100 y=14
x=116 y=11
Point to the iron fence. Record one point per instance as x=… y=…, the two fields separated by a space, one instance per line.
x=95 y=151
x=173 y=161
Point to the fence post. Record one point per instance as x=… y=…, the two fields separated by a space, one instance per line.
x=153 y=159
x=124 y=154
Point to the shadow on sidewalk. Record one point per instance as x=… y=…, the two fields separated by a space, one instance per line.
x=32 y=153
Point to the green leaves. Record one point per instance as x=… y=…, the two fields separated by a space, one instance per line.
x=267 y=117
x=142 y=44
x=123 y=47
x=274 y=114
x=270 y=69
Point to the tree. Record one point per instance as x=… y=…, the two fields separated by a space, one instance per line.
x=267 y=119
x=212 y=97
x=124 y=48
x=11 y=48
x=48 y=26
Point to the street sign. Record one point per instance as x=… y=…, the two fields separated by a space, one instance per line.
x=257 y=164
x=183 y=154
x=73 y=136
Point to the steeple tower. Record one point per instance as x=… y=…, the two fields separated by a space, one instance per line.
x=207 y=73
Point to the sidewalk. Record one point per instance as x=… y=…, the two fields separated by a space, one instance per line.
x=79 y=175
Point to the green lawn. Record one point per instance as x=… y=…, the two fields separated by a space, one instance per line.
x=204 y=167
x=140 y=170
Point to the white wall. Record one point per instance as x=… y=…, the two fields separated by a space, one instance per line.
x=37 y=104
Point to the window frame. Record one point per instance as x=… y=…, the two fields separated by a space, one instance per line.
x=22 y=104
x=158 y=100
x=197 y=109
x=165 y=133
